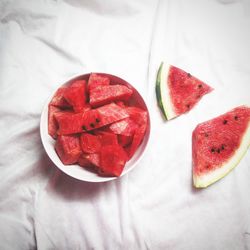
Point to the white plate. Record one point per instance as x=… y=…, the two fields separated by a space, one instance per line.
x=75 y=170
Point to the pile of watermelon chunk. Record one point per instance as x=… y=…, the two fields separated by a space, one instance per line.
x=97 y=124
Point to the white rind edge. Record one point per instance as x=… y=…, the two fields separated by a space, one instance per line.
x=201 y=181
x=166 y=101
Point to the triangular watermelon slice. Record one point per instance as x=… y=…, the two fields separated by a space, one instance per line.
x=76 y=95
x=96 y=80
x=90 y=143
x=178 y=91
x=90 y=120
x=112 y=160
x=58 y=99
x=219 y=144
x=105 y=94
x=68 y=149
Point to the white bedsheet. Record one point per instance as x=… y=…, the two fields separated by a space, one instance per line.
x=43 y=44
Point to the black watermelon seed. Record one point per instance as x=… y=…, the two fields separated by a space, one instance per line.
x=189 y=75
x=213 y=150
x=236 y=118
x=222 y=147
x=225 y=122
x=84 y=127
x=206 y=134
x=92 y=125
x=97 y=120
x=218 y=150
x=200 y=86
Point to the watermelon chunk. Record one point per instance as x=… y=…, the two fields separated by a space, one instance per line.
x=178 y=91
x=76 y=95
x=138 y=115
x=52 y=123
x=219 y=144
x=105 y=94
x=124 y=140
x=124 y=127
x=112 y=160
x=90 y=143
x=107 y=138
x=137 y=140
x=68 y=149
x=90 y=161
x=96 y=80
x=90 y=120
x=58 y=99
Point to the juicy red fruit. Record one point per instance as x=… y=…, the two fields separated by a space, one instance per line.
x=185 y=89
x=96 y=80
x=112 y=160
x=68 y=149
x=96 y=125
x=90 y=143
x=216 y=140
x=105 y=94
x=76 y=95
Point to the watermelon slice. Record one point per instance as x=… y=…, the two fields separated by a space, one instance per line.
x=178 y=91
x=76 y=95
x=137 y=117
x=52 y=123
x=90 y=161
x=58 y=99
x=107 y=138
x=112 y=160
x=105 y=94
x=68 y=149
x=90 y=120
x=124 y=140
x=90 y=143
x=96 y=80
x=125 y=127
x=137 y=140
x=219 y=144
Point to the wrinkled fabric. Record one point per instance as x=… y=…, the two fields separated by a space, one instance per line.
x=45 y=43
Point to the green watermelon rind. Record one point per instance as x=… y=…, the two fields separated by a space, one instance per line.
x=203 y=181
x=162 y=92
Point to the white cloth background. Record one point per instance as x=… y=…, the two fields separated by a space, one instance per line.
x=43 y=44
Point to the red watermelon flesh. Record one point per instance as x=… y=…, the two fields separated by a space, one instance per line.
x=216 y=142
x=124 y=140
x=52 y=123
x=76 y=95
x=89 y=120
x=112 y=160
x=107 y=138
x=90 y=143
x=138 y=115
x=68 y=149
x=83 y=133
x=124 y=127
x=59 y=100
x=185 y=89
x=111 y=113
x=96 y=80
x=137 y=140
x=90 y=160
x=121 y=104
x=83 y=162
x=102 y=95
